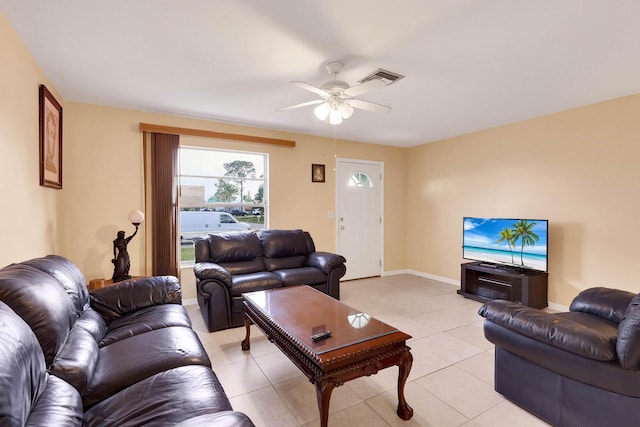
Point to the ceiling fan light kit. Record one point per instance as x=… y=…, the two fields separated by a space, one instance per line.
x=335 y=118
x=322 y=111
x=338 y=100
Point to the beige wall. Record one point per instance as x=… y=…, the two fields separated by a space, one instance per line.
x=104 y=172
x=31 y=220
x=578 y=169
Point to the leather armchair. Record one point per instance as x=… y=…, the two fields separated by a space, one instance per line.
x=575 y=368
x=230 y=264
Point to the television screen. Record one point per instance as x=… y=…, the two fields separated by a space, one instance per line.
x=518 y=243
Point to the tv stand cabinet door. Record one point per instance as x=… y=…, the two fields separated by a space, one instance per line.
x=534 y=290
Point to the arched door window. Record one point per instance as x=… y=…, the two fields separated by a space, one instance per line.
x=360 y=179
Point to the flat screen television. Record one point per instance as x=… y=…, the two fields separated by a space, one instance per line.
x=511 y=242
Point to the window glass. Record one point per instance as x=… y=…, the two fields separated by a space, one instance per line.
x=220 y=190
x=360 y=179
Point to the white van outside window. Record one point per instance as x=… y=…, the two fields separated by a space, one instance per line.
x=194 y=224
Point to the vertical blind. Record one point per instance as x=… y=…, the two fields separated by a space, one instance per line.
x=164 y=207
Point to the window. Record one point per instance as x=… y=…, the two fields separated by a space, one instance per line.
x=360 y=179
x=226 y=219
x=220 y=190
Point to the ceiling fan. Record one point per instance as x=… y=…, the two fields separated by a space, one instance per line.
x=338 y=99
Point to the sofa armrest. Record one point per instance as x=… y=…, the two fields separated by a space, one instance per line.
x=324 y=261
x=610 y=304
x=113 y=302
x=551 y=329
x=212 y=271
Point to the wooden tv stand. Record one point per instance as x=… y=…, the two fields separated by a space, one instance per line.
x=484 y=282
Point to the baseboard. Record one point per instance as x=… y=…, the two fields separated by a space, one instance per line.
x=454 y=282
x=557 y=307
x=446 y=280
x=394 y=273
x=190 y=301
x=421 y=274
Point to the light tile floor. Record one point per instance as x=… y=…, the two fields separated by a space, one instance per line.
x=450 y=384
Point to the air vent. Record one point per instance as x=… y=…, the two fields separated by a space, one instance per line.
x=388 y=77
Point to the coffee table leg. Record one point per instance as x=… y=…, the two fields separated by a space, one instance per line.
x=404 y=410
x=323 y=393
x=246 y=344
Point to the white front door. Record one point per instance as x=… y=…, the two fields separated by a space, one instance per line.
x=359 y=216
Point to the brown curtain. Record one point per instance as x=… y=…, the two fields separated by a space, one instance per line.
x=163 y=174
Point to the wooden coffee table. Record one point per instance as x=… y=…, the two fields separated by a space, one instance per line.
x=359 y=344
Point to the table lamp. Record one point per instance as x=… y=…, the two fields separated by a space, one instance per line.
x=121 y=260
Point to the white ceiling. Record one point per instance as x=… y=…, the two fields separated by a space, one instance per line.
x=469 y=64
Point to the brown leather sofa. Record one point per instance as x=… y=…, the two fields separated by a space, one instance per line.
x=579 y=368
x=229 y=264
x=123 y=356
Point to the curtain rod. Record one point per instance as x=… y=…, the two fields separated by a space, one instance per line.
x=147 y=127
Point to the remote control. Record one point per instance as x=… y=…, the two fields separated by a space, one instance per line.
x=321 y=335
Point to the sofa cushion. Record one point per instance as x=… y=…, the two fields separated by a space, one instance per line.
x=59 y=405
x=301 y=276
x=283 y=249
x=41 y=302
x=133 y=359
x=22 y=371
x=69 y=276
x=607 y=303
x=244 y=267
x=28 y=395
x=238 y=246
x=170 y=397
x=628 y=345
x=555 y=330
x=284 y=263
x=218 y=419
x=76 y=361
x=120 y=299
x=283 y=243
x=254 y=282
x=92 y=322
x=145 y=320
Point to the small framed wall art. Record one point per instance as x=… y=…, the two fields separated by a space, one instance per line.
x=317 y=173
x=50 y=140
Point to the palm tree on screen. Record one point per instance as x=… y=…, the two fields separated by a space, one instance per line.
x=507 y=235
x=523 y=229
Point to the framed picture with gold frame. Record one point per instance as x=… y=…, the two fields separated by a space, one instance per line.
x=50 y=140
x=317 y=173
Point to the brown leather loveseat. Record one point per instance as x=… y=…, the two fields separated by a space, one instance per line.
x=577 y=368
x=229 y=264
x=123 y=356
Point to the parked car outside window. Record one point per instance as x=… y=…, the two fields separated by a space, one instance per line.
x=239 y=212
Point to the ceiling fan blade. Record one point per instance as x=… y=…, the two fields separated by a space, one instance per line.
x=365 y=87
x=311 y=88
x=369 y=106
x=302 y=104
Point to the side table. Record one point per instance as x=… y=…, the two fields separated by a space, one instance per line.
x=101 y=283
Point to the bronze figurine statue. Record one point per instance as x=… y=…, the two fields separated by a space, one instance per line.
x=121 y=260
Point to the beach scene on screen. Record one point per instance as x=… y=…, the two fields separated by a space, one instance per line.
x=514 y=242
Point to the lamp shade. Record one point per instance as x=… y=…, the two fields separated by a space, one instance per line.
x=322 y=110
x=346 y=110
x=335 y=118
x=136 y=217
